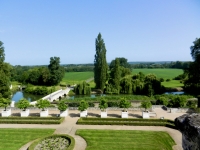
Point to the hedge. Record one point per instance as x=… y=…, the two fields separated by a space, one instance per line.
x=70 y=138
x=127 y=121
x=31 y=120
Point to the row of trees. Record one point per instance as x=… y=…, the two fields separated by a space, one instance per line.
x=39 y=75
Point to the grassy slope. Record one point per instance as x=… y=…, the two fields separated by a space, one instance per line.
x=12 y=139
x=76 y=77
x=120 y=139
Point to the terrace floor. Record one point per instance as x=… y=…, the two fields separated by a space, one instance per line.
x=69 y=125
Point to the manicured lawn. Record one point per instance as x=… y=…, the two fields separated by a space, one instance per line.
x=126 y=140
x=160 y=73
x=76 y=77
x=13 y=139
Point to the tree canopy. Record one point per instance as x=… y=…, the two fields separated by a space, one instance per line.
x=100 y=63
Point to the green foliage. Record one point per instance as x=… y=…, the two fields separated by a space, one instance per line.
x=27 y=135
x=162 y=101
x=167 y=80
x=62 y=106
x=103 y=104
x=4 y=102
x=82 y=89
x=127 y=121
x=42 y=104
x=5 y=69
x=123 y=139
x=124 y=103
x=123 y=62
x=23 y=104
x=146 y=105
x=31 y=120
x=39 y=90
x=83 y=105
x=100 y=63
x=178 y=101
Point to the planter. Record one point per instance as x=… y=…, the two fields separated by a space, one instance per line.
x=12 y=104
x=83 y=113
x=6 y=113
x=125 y=114
x=145 y=114
x=103 y=114
x=44 y=113
x=24 y=113
x=64 y=113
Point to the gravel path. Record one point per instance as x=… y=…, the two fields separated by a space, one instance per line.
x=69 y=126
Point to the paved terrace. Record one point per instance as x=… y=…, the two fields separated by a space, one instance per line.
x=69 y=125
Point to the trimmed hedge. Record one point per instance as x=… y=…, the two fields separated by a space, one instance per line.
x=127 y=121
x=31 y=120
x=70 y=138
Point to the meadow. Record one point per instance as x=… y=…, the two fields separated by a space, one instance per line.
x=124 y=139
x=160 y=73
x=12 y=139
x=77 y=77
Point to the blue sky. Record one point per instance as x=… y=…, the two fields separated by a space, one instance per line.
x=140 y=30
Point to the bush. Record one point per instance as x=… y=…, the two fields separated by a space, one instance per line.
x=113 y=104
x=62 y=106
x=83 y=105
x=167 y=80
x=162 y=101
x=23 y=104
x=162 y=80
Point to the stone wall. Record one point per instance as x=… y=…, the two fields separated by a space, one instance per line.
x=189 y=126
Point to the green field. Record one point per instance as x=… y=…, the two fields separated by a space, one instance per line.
x=13 y=139
x=76 y=77
x=160 y=73
x=126 y=140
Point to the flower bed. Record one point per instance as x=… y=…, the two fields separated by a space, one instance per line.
x=55 y=142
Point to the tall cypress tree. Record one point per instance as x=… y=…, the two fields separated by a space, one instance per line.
x=100 y=63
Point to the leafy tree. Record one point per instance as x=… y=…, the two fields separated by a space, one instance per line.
x=162 y=101
x=4 y=102
x=23 y=104
x=178 y=101
x=195 y=49
x=82 y=89
x=192 y=82
x=146 y=104
x=62 y=106
x=124 y=104
x=123 y=62
x=4 y=75
x=100 y=63
x=103 y=104
x=42 y=104
x=115 y=76
x=56 y=71
x=83 y=105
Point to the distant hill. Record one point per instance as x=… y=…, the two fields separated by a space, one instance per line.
x=148 y=62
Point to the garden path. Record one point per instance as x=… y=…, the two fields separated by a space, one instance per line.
x=69 y=126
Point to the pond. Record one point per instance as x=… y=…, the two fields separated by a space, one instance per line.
x=175 y=93
x=20 y=94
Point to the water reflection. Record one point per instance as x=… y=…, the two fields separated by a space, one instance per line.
x=20 y=94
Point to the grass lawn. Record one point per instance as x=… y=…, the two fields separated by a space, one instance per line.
x=172 y=83
x=76 y=77
x=13 y=139
x=160 y=73
x=126 y=140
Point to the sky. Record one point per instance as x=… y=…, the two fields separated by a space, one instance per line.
x=139 y=30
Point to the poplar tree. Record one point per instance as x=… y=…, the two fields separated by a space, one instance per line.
x=100 y=63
